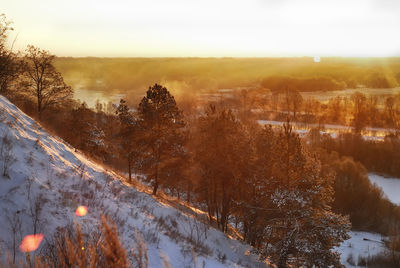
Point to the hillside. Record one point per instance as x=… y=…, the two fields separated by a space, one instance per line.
x=43 y=180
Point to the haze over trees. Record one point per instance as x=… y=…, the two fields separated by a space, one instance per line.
x=199 y=75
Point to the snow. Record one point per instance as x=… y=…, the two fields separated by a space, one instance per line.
x=357 y=245
x=361 y=244
x=389 y=186
x=45 y=169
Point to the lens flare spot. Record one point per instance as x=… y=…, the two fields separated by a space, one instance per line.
x=31 y=242
x=81 y=211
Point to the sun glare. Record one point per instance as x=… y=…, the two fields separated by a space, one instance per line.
x=208 y=28
x=81 y=211
x=31 y=242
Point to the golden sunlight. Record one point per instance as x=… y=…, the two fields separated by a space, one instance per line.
x=180 y=28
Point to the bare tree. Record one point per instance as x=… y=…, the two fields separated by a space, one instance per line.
x=35 y=206
x=43 y=81
x=35 y=209
x=360 y=119
x=390 y=110
x=15 y=228
x=294 y=101
x=6 y=155
x=8 y=60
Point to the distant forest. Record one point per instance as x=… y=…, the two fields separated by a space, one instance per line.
x=196 y=75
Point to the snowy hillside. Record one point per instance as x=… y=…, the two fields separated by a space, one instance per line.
x=43 y=177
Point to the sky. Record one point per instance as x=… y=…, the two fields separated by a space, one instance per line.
x=207 y=28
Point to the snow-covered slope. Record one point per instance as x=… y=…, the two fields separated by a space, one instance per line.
x=42 y=175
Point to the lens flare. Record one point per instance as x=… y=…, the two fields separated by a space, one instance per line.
x=81 y=211
x=31 y=242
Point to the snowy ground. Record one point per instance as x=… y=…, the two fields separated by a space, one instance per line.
x=368 y=244
x=361 y=244
x=390 y=186
x=45 y=173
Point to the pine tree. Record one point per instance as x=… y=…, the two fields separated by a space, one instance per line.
x=163 y=136
x=284 y=201
x=129 y=137
x=254 y=205
x=81 y=123
x=304 y=229
x=222 y=155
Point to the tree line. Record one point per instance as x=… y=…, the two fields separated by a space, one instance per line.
x=358 y=110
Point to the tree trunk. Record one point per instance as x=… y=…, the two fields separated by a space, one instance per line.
x=282 y=263
x=188 y=195
x=155 y=186
x=130 y=170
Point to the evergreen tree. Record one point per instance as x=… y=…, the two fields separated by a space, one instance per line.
x=254 y=205
x=129 y=137
x=222 y=153
x=89 y=136
x=163 y=136
x=304 y=228
x=283 y=202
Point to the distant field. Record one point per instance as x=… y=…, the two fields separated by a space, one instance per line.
x=107 y=78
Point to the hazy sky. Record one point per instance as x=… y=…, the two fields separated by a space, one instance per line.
x=208 y=27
